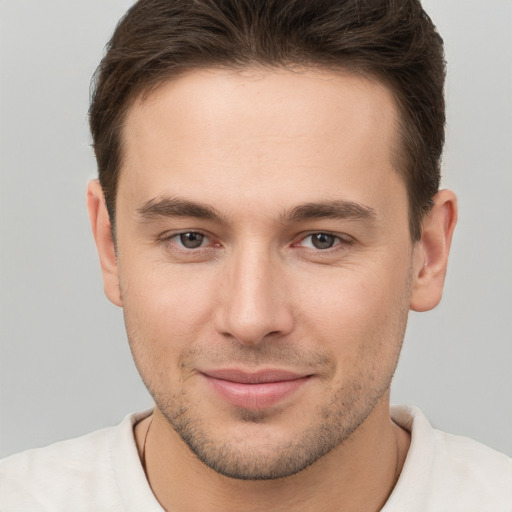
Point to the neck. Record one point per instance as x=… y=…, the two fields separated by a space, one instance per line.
x=359 y=474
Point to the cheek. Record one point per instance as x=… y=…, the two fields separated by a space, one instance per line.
x=358 y=311
x=165 y=312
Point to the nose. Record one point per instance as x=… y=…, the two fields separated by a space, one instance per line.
x=254 y=303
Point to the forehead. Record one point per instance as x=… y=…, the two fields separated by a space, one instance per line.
x=265 y=136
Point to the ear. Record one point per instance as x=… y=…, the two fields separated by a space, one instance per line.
x=101 y=229
x=430 y=258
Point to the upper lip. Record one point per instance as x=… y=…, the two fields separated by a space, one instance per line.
x=254 y=377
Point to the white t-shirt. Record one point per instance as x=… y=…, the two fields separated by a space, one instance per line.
x=102 y=472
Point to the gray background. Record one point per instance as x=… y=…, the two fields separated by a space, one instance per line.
x=65 y=366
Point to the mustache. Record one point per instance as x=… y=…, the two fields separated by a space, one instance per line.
x=265 y=353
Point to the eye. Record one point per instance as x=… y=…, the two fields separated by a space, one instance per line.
x=321 y=241
x=189 y=246
x=190 y=240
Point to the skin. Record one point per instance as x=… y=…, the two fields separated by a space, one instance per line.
x=253 y=148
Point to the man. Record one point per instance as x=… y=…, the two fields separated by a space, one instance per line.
x=267 y=212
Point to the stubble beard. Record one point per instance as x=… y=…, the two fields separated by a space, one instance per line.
x=331 y=424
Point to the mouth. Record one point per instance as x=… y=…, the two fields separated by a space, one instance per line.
x=254 y=390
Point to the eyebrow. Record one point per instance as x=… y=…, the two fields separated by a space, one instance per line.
x=178 y=207
x=340 y=209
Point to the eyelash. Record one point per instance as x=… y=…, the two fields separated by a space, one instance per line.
x=175 y=237
x=341 y=242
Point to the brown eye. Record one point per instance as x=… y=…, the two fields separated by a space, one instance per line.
x=191 y=240
x=323 y=240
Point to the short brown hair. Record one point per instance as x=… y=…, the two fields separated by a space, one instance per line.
x=392 y=40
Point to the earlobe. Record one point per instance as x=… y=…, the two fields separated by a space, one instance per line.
x=101 y=229
x=430 y=259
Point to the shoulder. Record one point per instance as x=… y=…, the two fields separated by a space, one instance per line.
x=68 y=472
x=448 y=472
x=472 y=470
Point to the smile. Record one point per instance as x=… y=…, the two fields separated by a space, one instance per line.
x=257 y=390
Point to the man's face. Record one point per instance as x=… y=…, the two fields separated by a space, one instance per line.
x=264 y=260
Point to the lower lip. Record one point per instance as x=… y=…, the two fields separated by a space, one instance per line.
x=255 y=396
